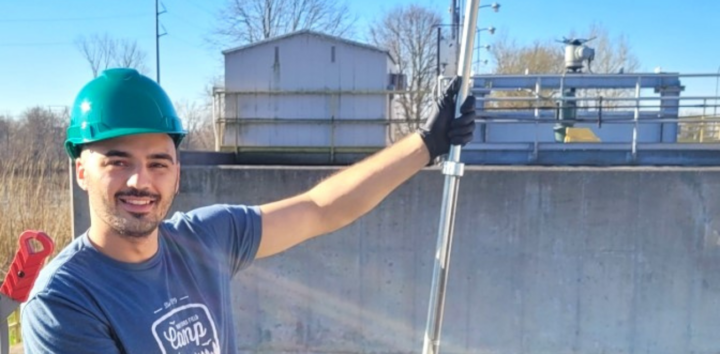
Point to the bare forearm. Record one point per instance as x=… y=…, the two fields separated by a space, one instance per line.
x=354 y=191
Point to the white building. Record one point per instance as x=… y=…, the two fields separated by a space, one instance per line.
x=305 y=91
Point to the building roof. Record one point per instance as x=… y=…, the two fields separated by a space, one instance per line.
x=306 y=32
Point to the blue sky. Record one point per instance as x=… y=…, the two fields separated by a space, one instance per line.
x=41 y=66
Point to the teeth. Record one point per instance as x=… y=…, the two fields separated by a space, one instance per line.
x=138 y=202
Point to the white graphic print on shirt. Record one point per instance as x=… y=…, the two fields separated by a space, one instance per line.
x=187 y=329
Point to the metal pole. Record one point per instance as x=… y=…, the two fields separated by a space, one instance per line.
x=702 y=123
x=439 y=40
x=453 y=170
x=636 y=116
x=157 y=42
x=717 y=85
x=157 y=37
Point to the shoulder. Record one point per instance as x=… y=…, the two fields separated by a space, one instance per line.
x=62 y=285
x=231 y=232
x=61 y=271
x=216 y=217
x=214 y=212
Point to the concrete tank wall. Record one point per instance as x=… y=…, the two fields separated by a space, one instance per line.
x=545 y=260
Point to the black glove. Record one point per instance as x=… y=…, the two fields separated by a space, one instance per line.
x=442 y=130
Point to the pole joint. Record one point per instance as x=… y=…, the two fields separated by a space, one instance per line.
x=452 y=168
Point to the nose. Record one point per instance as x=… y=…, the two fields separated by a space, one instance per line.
x=139 y=178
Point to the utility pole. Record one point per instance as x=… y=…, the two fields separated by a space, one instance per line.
x=455 y=18
x=157 y=38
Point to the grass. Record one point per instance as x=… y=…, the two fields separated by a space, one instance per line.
x=34 y=194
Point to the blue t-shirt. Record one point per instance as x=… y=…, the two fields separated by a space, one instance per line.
x=178 y=301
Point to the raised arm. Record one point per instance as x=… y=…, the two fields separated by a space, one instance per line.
x=351 y=193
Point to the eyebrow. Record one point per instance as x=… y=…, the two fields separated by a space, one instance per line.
x=156 y=156
x=116 y=153
x=162 y=156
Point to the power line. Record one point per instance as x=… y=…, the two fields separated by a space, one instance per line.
x=190 y=23
x=200 y=7
x=38 y=44
x=65 y=19
x=59 y=43
x=176 y=38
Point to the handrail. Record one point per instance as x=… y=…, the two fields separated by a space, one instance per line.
x=596 y=75
x=595 y=98
x=639 y=110
x=481 y=119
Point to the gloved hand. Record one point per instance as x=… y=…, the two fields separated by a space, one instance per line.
x=442 y=129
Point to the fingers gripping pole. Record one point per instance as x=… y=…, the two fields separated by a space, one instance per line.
x=453 y=170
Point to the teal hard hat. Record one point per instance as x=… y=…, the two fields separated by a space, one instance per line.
x=120 y=102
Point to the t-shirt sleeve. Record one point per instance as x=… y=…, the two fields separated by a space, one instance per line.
x=53 y=324
x=234 y=229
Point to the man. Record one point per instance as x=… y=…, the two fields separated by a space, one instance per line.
x=136 y=283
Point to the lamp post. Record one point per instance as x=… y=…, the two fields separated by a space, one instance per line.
x=458 y=21
x=439 y=26
x=491 y=30
x=495 y=6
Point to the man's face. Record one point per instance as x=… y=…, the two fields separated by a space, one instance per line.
x=131 y=182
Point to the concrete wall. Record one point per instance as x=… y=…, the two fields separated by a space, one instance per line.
x=545 y=260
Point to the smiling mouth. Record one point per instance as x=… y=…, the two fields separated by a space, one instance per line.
x=137 y=205
x=136 y=202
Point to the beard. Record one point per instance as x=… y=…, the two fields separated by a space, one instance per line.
x=133 y=225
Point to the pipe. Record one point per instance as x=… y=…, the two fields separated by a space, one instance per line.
x=453 y=170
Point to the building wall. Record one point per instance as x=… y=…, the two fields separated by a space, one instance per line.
x=544 y=260
x=306 y=63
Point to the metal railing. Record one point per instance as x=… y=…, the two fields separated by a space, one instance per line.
x=523 y=112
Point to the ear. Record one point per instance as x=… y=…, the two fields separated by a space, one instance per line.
x=177 y=179
x=80 y=173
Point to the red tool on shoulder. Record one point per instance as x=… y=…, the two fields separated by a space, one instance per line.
x=26 y=265
x=21 y=277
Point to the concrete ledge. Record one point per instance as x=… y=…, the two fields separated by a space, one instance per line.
x=516 y=157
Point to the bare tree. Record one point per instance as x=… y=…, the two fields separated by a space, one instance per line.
x=129 y=55
x=409 y=33
x=547 y=57
x=539 y=57
x=249 y=21
x=35 y=139
x=102 y=52
x=44 y=131
x=97 y=50
x=197 y=119
x=612 y=56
